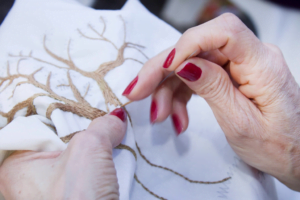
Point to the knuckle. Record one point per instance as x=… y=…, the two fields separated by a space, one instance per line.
x=275 y=52
x=216 y=89
x=190 y=32
x=232 y=23
x=275 y=64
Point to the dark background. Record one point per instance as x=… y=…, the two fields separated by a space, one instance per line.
x=155 y=6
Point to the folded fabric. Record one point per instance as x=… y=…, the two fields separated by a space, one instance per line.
x=63 y=65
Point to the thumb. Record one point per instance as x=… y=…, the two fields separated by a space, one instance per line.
x=112 y=126
x=88 y=163
x=102 y=135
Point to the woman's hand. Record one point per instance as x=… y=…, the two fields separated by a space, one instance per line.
x=85 y=170
x=247 y=84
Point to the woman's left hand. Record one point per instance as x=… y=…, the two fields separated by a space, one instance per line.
x=85 y=170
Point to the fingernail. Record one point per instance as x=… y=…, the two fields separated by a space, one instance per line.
x=190 y=72
x=177 y=124
x=120 y=112
x=130 y=86
x=169 y=59
x=153 y=111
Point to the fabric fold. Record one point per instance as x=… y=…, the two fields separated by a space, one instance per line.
x=64 y=64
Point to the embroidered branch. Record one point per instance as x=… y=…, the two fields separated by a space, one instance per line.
x=80 y=106
x=99 y=74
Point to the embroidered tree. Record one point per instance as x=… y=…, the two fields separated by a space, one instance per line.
x=80 y=106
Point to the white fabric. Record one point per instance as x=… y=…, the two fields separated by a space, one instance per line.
x=201 y=153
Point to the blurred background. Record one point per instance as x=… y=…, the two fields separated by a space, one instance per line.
x=273 y=21
x=187 y=13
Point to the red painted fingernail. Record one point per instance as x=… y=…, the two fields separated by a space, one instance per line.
x=153 y=111
x=169 y=59
x=130 y=86
x=120 y=112
x=190 y=72
x=177 y=124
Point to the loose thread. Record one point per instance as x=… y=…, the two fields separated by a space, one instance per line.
x=149 y=191
x=178 y=174
x=125 y=104
x=128 y=148
x=67 y=138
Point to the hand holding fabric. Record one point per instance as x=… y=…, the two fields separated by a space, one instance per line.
x=247 y=84
x=85 y=170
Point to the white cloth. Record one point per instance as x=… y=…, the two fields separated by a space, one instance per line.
x=201 y=153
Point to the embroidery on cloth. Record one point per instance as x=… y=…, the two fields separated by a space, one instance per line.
x=81 y=106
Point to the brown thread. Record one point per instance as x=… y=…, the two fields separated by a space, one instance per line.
x=67 y=138
x=82 y=111
x=51 y=127
x=123 y=146
x=76 y=93
x=24 y=104
x=125 y=104
x=145 y=188
x=82 y=107
x=97 y=75
x=178 y=174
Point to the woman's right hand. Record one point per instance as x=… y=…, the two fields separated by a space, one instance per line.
x=247 y=84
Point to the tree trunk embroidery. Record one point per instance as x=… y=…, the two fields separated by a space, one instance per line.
x=81 y=106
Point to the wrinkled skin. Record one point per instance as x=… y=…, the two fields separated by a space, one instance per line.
x=85 y=170
x=247 y=84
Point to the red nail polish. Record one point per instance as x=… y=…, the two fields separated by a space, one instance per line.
x=120 y=112
x=177 y=124
x=169 y=59
x=190 y=72
x=153 y=111
x=130 y=86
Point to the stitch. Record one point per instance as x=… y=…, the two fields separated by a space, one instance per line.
x=24 y=104
x=149 y=191
x=81 y=107
x=97 y=75
x=82 y=111
x=123 y=146
x=51 y=127
x=178 y=174
x=67 y=138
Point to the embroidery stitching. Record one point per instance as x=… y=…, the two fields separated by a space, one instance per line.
x=80 y=107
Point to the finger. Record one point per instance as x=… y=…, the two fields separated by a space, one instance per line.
x=152 y=73
x=161 y=106
x=103 y=132
x=211 y=82
x=226 y=33
x=148 y=78
x=89 y=156
x=179 y=112
x=112 y=126
x=214 y=56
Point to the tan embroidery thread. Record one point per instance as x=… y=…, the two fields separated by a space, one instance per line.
x=79 y=107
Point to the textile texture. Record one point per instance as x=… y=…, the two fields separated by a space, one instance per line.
x=63 y=65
